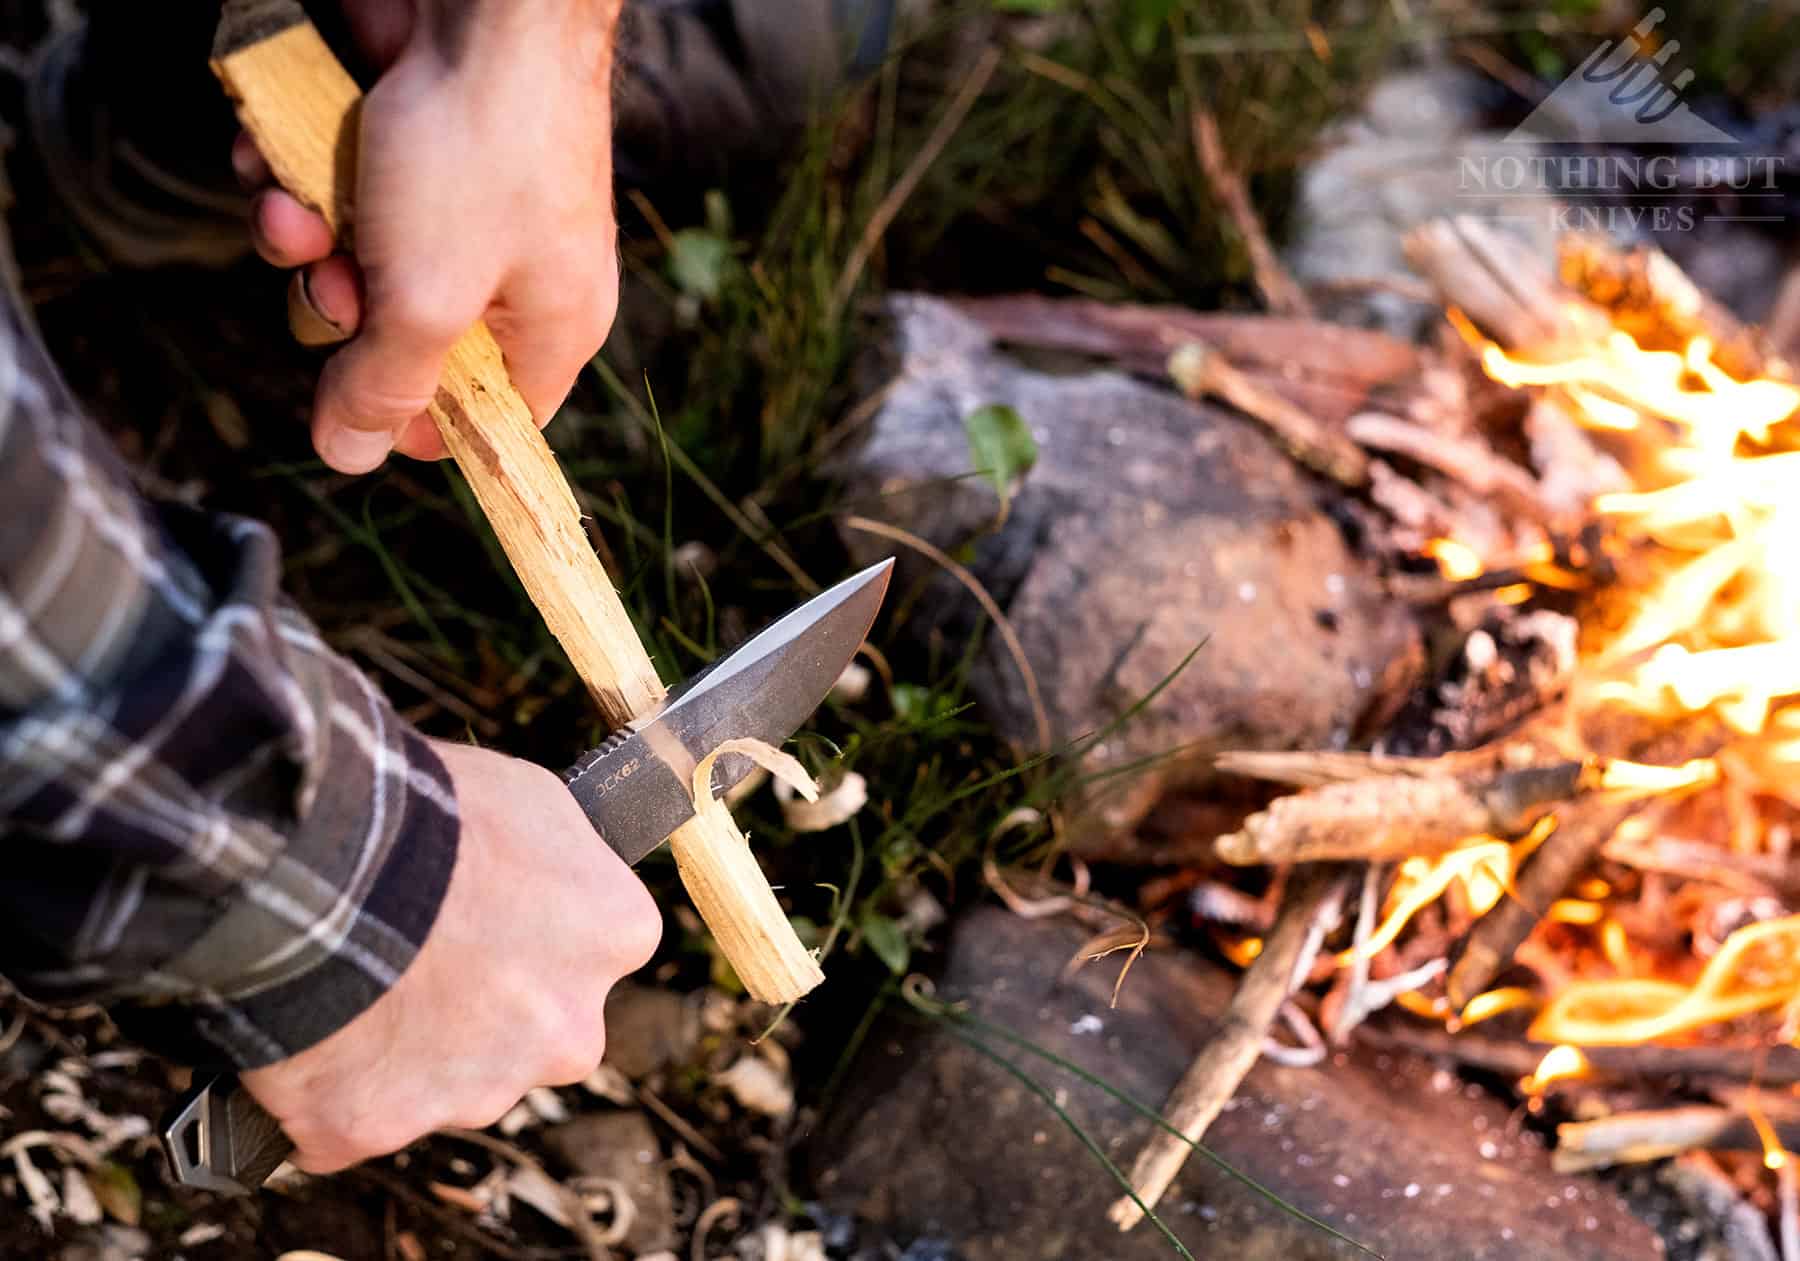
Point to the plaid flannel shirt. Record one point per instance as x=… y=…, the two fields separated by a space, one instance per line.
x=209 y=820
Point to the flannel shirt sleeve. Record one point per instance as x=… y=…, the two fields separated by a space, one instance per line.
x=210 y=821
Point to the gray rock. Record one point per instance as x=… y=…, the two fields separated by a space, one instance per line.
x=934 y=1139
x=1401 y=162
x=622 y=1146
x=1149 y=526
x=649 y=1028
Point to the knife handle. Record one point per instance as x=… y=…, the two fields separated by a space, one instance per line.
x=218 y=1138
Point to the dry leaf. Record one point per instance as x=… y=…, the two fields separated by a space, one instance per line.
x=118 y=1192
x=759 y=1086
x=836 y=805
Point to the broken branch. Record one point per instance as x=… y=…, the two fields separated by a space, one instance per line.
x=1198 y=370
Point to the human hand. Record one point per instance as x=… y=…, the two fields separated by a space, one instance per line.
x=484 y=189
x=540 y=920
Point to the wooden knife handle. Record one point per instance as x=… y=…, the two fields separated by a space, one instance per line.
x=302 y=109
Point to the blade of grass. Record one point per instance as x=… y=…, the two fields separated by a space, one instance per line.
x=952 y=1014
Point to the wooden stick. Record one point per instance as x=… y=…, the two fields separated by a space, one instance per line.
x=1777 y=1065
x=1509 y=293
x=1198 y=370
x=302 y=108
x=1490 y=944
x=1391 y=814
x=1649 y=296
x=1272 y=280
x=1634 y=1137
x=1215 y=1074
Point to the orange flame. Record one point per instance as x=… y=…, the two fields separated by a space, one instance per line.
x=1756 y=968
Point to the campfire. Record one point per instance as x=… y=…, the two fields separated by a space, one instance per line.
x=1586 y=885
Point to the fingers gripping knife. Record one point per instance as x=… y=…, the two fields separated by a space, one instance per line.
x=301 y=107
x=635 y=788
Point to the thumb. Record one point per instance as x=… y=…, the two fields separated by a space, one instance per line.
x=388 y=375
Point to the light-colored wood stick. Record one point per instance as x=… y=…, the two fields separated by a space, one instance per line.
x=303 y=110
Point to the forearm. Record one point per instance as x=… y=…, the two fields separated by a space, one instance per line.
x=207 y=814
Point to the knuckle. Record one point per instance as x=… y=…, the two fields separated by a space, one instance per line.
x=421 y=308
x=573 y=1063
x=485 y=1107
x=639 y=929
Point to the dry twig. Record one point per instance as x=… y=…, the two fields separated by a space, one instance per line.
x=1490 y=944
x=942 y=559
x=883 y=217
x=1213 y=1077
x=1272 y=280
x=1517 y=1057
x=1198 y=370
x=1634 y=1137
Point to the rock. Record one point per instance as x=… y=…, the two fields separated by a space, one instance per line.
x=1398 y=164
x=1149 y=526
x=623 y=1147
x=1399 y=1155
x=648 y=1029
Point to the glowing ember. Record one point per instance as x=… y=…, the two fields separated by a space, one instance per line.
x=1496 y=1002
x=1456 y=561
x=1242 y=951
x=1619 y=773
x=1560 y=1063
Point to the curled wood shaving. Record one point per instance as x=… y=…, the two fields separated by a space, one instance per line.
x=78 y=1200
x=785 y=767
x=724 y=1209
x=607 y=1195
x=759 y=1086
x=38 y=1188
x=837 y=804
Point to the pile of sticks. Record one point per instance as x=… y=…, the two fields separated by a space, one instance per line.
x=1443 y=458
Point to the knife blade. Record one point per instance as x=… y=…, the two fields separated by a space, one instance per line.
x=635 y=789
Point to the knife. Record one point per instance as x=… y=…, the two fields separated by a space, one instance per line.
x=635 y=789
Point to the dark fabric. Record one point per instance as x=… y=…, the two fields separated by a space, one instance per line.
x=209 y=819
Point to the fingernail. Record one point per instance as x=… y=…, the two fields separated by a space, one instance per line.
x=306 y=319
x=355 y=450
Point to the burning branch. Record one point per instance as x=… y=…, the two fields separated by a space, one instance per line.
x=1405 y=807
x=1634 y=1137
x=1495 y=938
